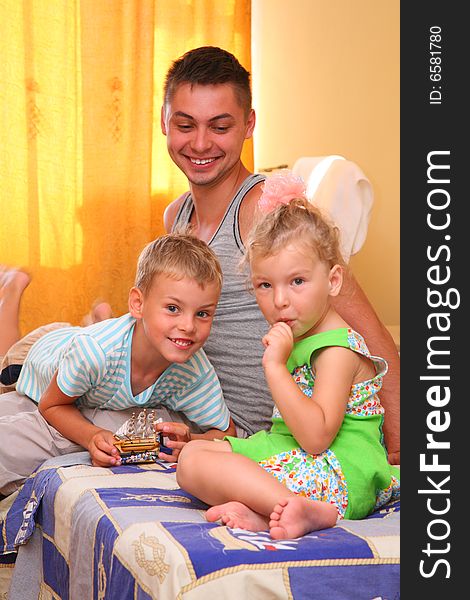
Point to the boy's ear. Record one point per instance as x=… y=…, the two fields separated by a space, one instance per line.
x=336 y=279
x=136 y=302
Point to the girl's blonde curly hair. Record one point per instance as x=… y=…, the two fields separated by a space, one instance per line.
x=297 y=221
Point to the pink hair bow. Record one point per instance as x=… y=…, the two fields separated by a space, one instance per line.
x=281 y=188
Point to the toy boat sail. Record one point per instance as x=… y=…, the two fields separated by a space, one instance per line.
x=136 y=440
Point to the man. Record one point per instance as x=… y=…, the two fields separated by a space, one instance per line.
x=206 y=118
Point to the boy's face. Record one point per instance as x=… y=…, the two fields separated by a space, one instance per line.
x=205 y=127
x=176 y=316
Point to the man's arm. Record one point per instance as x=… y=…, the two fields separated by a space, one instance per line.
x=169 y=215
x=352 y=304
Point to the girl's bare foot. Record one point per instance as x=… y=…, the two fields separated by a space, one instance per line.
x=100 y=311
x=296 y=515
x=237 y=515
x=13 y=281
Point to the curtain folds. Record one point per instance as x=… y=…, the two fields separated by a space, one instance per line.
x=84 y=171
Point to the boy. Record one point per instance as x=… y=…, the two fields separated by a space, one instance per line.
x=149 y=357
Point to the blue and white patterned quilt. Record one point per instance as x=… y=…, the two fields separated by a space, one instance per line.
x=131 y=533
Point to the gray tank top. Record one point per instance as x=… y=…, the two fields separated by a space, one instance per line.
x=234 y=346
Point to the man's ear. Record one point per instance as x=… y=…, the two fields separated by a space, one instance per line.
x=250 y=124
x=136 y=302
x=335 y=279
x=162 y=120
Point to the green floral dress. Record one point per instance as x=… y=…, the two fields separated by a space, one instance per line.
x=353 y=474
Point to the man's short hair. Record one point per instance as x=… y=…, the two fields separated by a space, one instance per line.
x=177 y=255
x=209 y=65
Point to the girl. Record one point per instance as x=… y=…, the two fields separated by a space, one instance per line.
x=324 y=457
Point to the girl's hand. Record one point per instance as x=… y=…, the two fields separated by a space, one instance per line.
x=278 y=342
x=178 y=435
x=102 y=450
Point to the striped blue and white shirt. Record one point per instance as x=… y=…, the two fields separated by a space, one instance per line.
x=94 y=363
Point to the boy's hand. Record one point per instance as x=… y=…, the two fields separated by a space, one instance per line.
x=178 y=435
x=102 y=450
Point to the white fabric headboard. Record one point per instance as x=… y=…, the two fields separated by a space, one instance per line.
x=339 y=187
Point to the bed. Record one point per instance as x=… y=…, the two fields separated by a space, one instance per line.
x=74 y=531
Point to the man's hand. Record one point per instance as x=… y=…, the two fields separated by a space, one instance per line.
x=178 y=435
x=102 y=450
x=394 y=458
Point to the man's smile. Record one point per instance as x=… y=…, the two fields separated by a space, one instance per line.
x=201 y=161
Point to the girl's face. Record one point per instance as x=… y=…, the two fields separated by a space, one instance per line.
x=294 y=286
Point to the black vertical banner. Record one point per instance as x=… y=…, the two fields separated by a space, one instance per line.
x=435 y=246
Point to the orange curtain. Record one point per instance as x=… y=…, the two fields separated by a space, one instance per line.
x=84 y=171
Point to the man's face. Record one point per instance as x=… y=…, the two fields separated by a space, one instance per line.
x=205 y=128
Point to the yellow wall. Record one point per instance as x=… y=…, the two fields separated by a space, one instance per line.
x=326 y=81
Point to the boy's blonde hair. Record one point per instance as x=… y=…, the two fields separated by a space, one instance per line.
x=177 y=255
x=297 y=221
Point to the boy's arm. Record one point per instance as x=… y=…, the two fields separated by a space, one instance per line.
x=179 y=435
x=60 y=411
x=352 y=304
x=218 y=434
